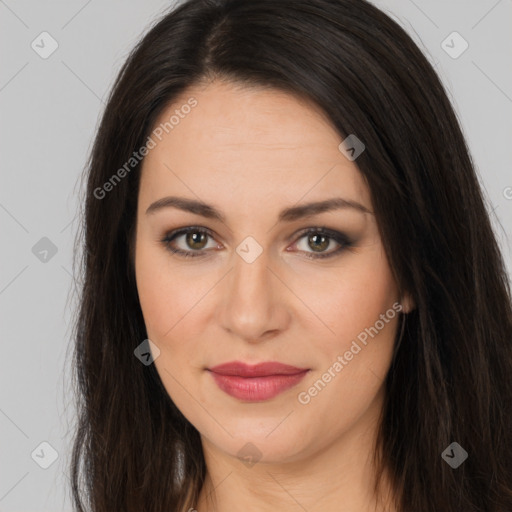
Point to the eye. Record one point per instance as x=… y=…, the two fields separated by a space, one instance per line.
x=194 y=239
x=320 y=239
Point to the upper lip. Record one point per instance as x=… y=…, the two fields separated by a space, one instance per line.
x=238 y=368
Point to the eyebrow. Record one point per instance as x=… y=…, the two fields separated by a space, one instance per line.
x=287 y=215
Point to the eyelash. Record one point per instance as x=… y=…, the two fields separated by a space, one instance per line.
x=340 y=238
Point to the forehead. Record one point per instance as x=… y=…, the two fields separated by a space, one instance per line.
x=241 y=113
x=238 y=138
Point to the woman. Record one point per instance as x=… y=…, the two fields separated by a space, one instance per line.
x=293 y=297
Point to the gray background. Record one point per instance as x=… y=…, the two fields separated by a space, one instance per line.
x=50 y=109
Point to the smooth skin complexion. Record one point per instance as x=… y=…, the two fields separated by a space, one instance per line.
x=250 y=154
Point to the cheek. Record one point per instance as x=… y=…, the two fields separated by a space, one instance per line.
x=356 y=358
x=165 y=294
x=155 y=300
x=173 y=300
x=351 y=299
x=167 y=301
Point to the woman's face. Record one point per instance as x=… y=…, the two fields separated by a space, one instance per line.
x=257 y=287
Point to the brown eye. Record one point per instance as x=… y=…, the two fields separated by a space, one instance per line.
x=318 y=242
x=189 y=242
x=196 y=239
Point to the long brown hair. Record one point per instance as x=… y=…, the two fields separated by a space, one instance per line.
x=450 y=379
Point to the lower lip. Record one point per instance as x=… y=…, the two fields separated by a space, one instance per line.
x=256 y=389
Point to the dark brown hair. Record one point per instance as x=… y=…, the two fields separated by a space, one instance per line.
x=450 y=378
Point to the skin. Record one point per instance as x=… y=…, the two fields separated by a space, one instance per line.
x=250 y=153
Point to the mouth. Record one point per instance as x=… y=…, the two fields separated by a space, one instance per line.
x=256 y=383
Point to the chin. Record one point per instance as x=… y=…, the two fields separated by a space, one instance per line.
x=261 y=442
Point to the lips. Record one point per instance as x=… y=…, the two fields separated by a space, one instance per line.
x=256 y=382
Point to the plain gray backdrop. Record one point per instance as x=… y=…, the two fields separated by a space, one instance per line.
x=50 y=106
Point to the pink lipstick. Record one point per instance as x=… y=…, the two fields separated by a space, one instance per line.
x=256 y=383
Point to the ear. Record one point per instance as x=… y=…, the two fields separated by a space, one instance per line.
x=407 y=303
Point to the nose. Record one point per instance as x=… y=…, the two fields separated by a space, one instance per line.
x=254 y=307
